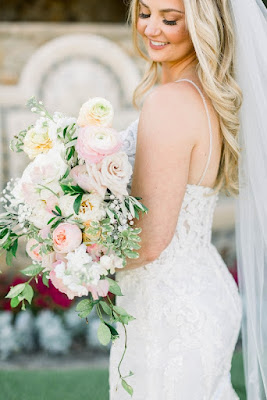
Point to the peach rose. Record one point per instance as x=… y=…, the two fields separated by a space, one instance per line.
x=96 y=142
x=66 y=237
x=96 y=111
x=34 y=252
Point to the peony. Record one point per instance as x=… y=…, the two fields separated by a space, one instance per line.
x=40 y=216
x=96 y=111
x=80 y=176
x=33 y=249
x=91 y=208
x=116 y=171
x=66 y=237
x=96 y=142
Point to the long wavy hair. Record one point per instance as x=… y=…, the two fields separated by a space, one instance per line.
x=211 y=29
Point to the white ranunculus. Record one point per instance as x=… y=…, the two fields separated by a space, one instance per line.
x=92 y=207
x=96 y=111
x=116 y=171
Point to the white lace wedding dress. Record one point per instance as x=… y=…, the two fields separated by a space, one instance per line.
x=187 y=308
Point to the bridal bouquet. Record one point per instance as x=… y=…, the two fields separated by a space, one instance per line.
x=72 y=207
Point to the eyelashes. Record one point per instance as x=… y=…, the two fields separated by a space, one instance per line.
x=165 y=21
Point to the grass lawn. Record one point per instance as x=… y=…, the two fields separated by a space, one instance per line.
x=83 y=384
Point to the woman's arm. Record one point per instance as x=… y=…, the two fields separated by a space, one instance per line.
x=167 y=133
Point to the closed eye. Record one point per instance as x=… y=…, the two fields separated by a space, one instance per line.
x=142 y=15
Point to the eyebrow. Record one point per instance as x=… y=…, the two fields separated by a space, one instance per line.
x=165 y=10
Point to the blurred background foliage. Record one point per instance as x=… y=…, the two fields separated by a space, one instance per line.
x=65 y=11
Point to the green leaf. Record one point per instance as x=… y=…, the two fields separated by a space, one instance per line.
x=126 y=318
x=4 y=238
x=120 y=310
x=66 y=173
x=52 y=219
x=134 y=245
x=32 y=270
x=103 y=334
x=9 y=257
x=58 y=210
x=127 y=387
x=114 y=287
x=131 y=254
x=112 y=329
x=77 y=203
x=23 y=305
x=15 y=290
x=14 y=302
x=28 y=293
x=14 y=247
x=45 y=279
x=84 y=307
x=106 y=307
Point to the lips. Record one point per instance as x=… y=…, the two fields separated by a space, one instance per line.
x=158 y=46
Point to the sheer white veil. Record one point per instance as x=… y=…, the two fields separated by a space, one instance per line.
x=250 y=19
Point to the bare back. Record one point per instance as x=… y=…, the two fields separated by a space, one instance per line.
x=206 y=154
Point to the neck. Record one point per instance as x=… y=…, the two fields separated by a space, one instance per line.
x=180 y=69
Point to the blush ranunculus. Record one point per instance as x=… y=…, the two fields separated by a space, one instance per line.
x=66 y=237
x=33 y=252
x=96 y=142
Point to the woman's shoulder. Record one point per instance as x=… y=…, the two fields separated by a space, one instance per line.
x=174 y=103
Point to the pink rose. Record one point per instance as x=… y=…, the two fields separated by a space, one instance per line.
x=101 y=289
x=33 y=252
x=66 y=237
x=96 y=142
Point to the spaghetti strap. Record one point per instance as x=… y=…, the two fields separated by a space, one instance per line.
x=209 y=121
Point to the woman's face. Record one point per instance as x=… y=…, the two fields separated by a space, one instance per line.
x=162 y=26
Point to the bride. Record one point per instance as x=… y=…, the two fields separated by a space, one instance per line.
x=185 y=150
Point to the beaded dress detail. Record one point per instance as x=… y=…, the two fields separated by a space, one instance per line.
x=187 y=307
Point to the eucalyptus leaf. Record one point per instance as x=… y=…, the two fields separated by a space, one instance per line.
x=114 y=287
x=32 y=270
x=127 y=387
x=103 y=334
x=15 y=290
x=28 y=293
x=106 y=307
x=14 y=302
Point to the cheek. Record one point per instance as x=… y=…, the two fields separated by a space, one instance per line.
x=141 y=26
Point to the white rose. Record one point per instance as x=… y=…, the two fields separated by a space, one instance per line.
x=116 y=171
x=91 y=208
x=96 y=111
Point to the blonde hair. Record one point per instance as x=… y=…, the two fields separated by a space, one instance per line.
x=210 y=26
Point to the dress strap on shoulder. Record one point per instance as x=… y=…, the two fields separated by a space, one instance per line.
x=209 y=121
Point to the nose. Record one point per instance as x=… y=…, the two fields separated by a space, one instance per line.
x=152 y=28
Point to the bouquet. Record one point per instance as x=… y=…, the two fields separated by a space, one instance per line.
x=72 y=208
